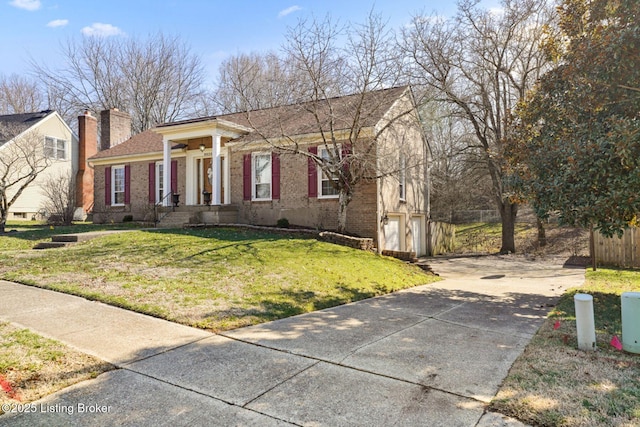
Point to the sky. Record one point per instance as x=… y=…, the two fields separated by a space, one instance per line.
x=214 y=29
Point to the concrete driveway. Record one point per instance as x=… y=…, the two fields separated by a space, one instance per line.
x=433 y=355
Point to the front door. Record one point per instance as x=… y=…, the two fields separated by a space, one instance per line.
x=205 y=178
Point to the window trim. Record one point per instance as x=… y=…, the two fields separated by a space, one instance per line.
x=254 y=196
x=321 y=195
x=55 y=149
x=114 y=169
x=159 y=191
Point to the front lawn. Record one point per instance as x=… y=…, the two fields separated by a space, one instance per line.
x=216 y=279
x=21 y=235
x=554 y=384
x=32 y=366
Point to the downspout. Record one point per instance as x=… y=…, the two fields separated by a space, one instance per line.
x=378 y=203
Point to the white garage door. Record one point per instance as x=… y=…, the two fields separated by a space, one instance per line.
x=392 y=234
x=416 y=231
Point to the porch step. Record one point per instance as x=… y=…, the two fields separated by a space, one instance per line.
x=67 y=238
x=175 y=220
x=62 y=240
x=50 y=245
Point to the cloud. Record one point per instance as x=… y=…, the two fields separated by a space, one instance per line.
x=288 y=11
x=26 y=4
x=98 y=29
x=58 y=23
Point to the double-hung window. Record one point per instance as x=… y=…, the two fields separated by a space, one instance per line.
x=117 y=185
x=327 y=180
x=261 y=176
x=55 y=148
x=159 y=181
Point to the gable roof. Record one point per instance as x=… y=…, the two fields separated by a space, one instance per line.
x=145 y=142
x=295 y=119
x=310 y=117
x=12 y=125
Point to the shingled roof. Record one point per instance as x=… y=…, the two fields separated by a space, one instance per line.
x=145 y=142
x=14 y=124
x=289 y=120
x=359 y=110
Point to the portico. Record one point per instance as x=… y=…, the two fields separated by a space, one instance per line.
x=206 y=174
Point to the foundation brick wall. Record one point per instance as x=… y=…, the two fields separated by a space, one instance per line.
x=139 y=207
x=295 y=204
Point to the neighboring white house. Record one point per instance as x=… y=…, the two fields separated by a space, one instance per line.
x=59 y=145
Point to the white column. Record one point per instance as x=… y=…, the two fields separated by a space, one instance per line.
x=215 y=169
x=166 y=172
x=227 y=179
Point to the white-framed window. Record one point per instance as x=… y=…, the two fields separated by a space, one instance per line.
x=326 y=188
x=117 y=186
x=261 y=176
x=402 y=177
x=55 y=148
x=159 y=181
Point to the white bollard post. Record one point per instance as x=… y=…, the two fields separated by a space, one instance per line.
x=630 y=310
x=585 y=323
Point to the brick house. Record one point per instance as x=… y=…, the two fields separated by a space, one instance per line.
x=258 y=167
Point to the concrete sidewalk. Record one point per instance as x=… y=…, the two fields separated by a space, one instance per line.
x=433 y=355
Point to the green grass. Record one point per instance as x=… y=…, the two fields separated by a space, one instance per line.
x=28 y=233
x=554 y=384
x=33 y=366
x=605 y=285
x=485 y=237
x=215 y=279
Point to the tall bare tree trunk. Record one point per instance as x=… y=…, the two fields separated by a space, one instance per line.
x=508 y=212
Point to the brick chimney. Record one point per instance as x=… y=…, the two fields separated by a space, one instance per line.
x=115 y=127
x=87 y=147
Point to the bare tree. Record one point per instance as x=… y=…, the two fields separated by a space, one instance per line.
x=60 y=197
x=254 y=81
x=19 y=94
x=21 y=161
x=459 y=177
x=320 y=70
x=156 y=80
x=482 y=63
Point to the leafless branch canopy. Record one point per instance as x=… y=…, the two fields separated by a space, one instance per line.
x=481 y=63
x=156 y=80
x=19 y=94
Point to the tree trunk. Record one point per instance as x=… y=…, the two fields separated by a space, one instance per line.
x=508 y=212
x=343 y=201
x=3 y=222
x=542 y=234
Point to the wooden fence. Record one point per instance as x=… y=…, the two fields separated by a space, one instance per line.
x=616 y=251
x=441 y=237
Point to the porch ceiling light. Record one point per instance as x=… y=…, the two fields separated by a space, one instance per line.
x=202 y=148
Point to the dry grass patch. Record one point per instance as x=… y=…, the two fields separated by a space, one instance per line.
x=554 y=384
x=486 y=238
x=32 y=366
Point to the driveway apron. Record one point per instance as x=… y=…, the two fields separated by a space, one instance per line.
x=432 y=355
